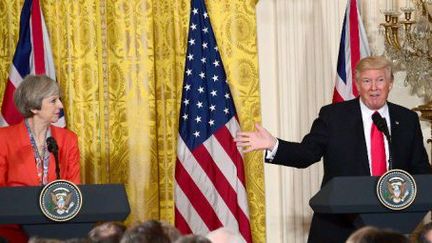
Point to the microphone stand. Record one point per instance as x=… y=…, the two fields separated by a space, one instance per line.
x=55 y=152
x=390 y=159
x=53 y=148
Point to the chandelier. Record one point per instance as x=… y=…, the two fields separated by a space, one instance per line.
x=408 y=44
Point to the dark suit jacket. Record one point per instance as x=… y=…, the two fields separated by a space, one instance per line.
x=337 y=136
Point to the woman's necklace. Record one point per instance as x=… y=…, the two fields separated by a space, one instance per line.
x=40 y=153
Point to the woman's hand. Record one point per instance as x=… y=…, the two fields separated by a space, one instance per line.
x=260 y=139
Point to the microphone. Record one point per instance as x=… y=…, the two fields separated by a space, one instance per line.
x=52 y=145
x=53 y=148
x=381 y=124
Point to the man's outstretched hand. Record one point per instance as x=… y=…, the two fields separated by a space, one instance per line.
x=260 y=139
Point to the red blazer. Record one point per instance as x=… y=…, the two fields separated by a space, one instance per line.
x=17 y=162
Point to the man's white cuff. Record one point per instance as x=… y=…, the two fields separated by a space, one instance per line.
x=270 y=154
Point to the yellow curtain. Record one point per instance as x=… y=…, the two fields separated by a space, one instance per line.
x=120 y=67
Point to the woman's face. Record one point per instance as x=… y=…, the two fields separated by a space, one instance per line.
x=50 y=109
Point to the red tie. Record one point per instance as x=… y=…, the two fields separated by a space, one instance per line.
x=379 y=165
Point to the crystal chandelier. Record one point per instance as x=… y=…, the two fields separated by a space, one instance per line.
x=408 y=44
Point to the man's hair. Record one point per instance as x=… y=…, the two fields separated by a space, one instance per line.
x=148 y=232
x=108 y=232
x=172 y=232
x=374 y=63
x=369 y=234
x=77 y=240
x=37 y=239
x=32 y=90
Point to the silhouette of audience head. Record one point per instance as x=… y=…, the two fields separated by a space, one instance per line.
x=369 y=234
x=150 y=231
x=223 y=235
x=108 y=232
x=425 y=234
x=193 y=239
x=37 y=239
x=77 y=240
x=172 y=232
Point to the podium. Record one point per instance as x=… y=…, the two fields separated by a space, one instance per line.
x=356 y=196
x=20 y=205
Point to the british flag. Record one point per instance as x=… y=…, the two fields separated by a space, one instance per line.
x=33 y=55
x=353 y=47
x=210 y=184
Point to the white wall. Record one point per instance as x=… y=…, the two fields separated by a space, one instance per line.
x=298 y=43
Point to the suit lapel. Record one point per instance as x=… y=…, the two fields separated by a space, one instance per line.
x=395 y=123
x=24 y=140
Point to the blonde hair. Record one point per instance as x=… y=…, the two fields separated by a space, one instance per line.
x=374 y=63
x=32 y=90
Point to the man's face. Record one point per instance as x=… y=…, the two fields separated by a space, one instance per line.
x=373 y=87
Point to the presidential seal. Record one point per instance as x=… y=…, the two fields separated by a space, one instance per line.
x=60 y=200
x=396 y=189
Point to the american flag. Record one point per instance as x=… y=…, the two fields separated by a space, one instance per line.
x=353 y=47
x=33 y=55
x=210 y=184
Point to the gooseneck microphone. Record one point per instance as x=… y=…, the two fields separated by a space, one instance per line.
x=53 y=148
x=381 y=124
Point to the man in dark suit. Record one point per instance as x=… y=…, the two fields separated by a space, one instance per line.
x=341 y=135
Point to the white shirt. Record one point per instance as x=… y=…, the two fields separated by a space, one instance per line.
x=367 y=125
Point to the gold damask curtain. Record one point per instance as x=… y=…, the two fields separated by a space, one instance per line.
x=120 y=66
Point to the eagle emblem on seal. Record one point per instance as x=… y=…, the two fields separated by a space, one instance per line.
x=62 y=201
x=397 y=189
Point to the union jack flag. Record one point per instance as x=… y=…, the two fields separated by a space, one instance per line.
x=33 y=55
x=210 y=184
x=353 y=47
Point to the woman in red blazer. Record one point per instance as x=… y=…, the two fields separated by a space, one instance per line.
x=24 y=157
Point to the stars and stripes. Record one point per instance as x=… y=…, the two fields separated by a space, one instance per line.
x=353 y=47
x=210 y=184
x=33 y=55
